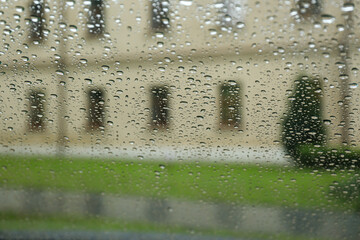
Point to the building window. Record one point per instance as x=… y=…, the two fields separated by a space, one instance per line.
x=37 y=19
x=36 y=111
x=96 y=103
x=160 y=14
x=96 y=23
x=233 y=13
x=230 y=105
x=308 y=8
x=160 y=107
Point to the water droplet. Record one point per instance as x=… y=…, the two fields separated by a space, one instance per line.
x=326 y=18
x=70 y=3
x=232 y=82
x=227 y=18
x=105 y=67
x=186 y=2
x=59 y=72
x=327 y=122
x=165 y=21
x=7 y=31
x=355 y=70
x=353 y=85
x=19 y=9
x=61 y=25
x=240 y=25
x=348 y=7
x=219 y=5
x=73 y=28
x=159 y=34
x=340 y=27
x=213 y=32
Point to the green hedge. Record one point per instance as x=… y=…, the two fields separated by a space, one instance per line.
x=327 y=157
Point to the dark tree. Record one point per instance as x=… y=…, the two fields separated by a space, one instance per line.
x=303 y=124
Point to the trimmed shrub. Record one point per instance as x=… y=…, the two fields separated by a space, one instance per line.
x=327 y=157
x=303 y=124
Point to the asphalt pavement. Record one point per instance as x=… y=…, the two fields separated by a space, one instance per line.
x=187 y=214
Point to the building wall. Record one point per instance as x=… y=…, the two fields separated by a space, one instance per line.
x=192 y=59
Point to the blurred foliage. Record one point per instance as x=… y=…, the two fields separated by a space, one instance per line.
x=349 y=192
x=328 y=157
x=303 y=122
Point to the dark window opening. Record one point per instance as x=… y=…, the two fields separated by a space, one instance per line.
x=160 y=14
x=96 y=109
x=96 y=24
x=160 y=109
x=308 y=8
x=36 y=111
x=230 y=105
x=37 y=20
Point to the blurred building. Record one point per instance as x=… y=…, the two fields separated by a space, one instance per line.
x=169 y=77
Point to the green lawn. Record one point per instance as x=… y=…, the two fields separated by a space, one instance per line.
x=219 y=182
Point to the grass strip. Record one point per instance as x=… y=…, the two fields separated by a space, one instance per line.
x=216 y=182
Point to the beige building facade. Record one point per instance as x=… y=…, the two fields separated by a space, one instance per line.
x=167 y=78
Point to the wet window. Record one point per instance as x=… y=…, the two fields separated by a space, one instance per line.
x=36 y=111
x=96 y=109
x=37 y=19
x=160 y=107
x=160 y=14
x=96 y=23
x=308 y=8
x=230 y=105
x=180 y=119
x=232 y=13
